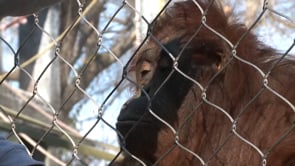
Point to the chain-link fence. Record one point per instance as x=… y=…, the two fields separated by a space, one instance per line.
x=208 y=92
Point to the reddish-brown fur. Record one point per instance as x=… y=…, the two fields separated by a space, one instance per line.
x=202 y=128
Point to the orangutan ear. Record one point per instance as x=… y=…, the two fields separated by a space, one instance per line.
x=200 y=52
x=209 y=52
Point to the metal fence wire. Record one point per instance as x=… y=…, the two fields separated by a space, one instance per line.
x=67 y=70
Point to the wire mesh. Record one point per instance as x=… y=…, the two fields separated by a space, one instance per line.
x=88 y=66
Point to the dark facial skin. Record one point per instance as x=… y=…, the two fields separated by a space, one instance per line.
x=135 y=115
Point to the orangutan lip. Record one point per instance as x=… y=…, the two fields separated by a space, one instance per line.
x=132 y=122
